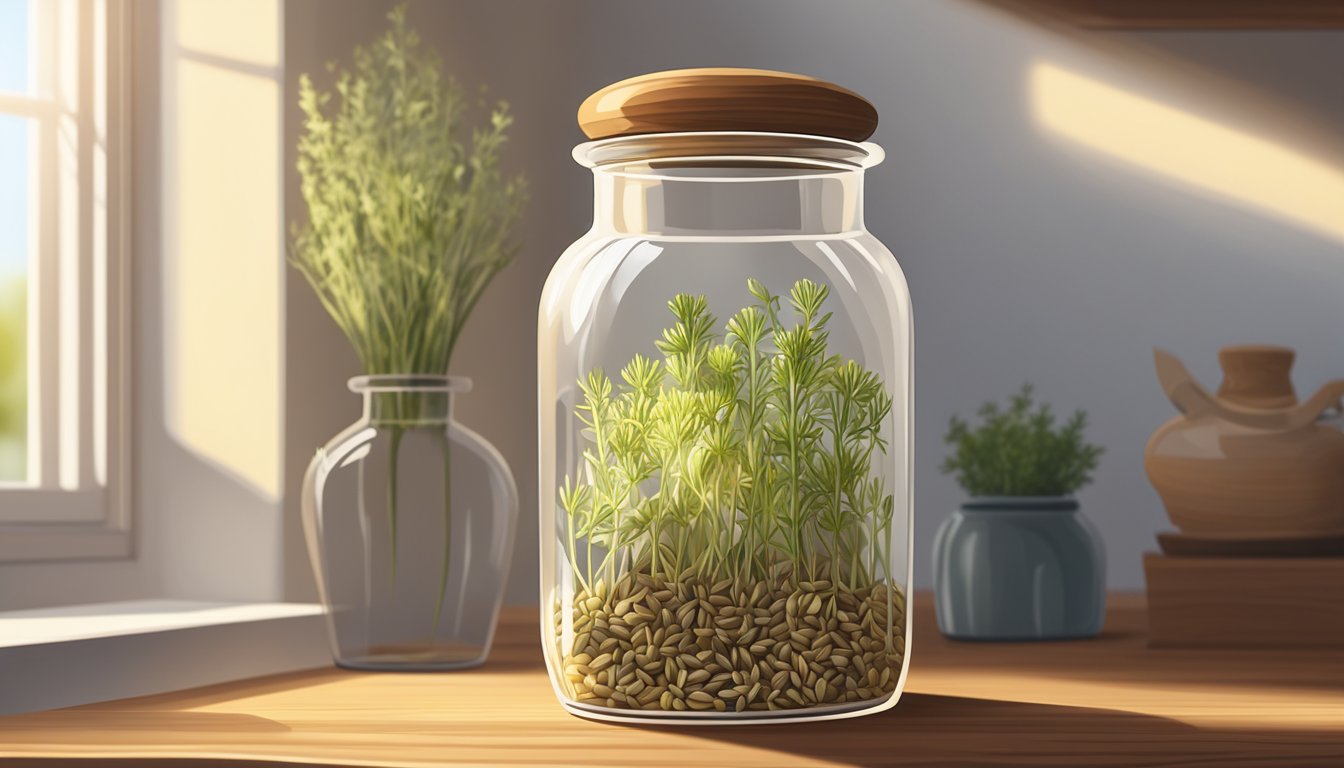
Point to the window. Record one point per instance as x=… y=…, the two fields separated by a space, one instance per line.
x=63 y=250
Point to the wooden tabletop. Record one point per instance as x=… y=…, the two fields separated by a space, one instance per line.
x=1109 y=701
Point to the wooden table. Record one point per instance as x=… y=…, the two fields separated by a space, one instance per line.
x=1108 y=701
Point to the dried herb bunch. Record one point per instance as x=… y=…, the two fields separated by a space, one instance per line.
x=407 y=222
x=1019 y=451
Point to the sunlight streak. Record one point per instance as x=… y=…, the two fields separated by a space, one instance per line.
x=223 y=238
x=1232 y=163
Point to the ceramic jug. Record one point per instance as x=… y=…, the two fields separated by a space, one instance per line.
x=1250 y=460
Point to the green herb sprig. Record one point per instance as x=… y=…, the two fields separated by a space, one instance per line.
x=733 y=455
x=1018 y=451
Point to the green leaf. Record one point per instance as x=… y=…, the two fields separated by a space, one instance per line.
x=1019 y=451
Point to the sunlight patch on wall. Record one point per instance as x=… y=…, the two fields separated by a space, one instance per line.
x=223 y=240
x=243 y=31
x=1231 y=163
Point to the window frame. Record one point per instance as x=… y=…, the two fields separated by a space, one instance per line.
x=76 y=506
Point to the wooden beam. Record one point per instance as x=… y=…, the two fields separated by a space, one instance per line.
x=1186 y=14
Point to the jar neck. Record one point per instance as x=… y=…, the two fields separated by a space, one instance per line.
x=727 y=202
x=408 y=401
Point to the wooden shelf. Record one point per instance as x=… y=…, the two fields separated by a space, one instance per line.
x=1288 y=602
x=1109 y=701
x=1188 y=14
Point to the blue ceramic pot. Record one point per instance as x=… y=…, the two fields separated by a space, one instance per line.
x=1019 y=568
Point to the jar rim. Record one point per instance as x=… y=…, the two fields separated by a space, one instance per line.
x=728 y=148
x=416 y=382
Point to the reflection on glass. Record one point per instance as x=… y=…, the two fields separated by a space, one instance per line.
x=14 y=191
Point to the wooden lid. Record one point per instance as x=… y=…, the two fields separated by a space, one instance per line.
x=726 y=99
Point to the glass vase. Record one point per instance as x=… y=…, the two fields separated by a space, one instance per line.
x=410 y=519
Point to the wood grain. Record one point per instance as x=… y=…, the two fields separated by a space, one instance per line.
x=1290 y=602
x=1110 y=701
x=726 y=99
x=1187 y=14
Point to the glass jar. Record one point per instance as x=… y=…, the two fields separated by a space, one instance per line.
x=409 y=518
x=725 y=404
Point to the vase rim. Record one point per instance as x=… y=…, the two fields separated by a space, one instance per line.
x=414 y=382
x=1022 y=503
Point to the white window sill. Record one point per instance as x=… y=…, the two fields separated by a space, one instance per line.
x=60 y=657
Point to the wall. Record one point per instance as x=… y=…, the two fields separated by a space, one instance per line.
x=1031 y=256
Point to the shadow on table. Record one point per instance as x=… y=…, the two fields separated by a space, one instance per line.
x=152 y=762
x=921 y=730
x=128 y=722
x=176 y=712
x=1236 y=672
x=1130 y=661
x=951 y=730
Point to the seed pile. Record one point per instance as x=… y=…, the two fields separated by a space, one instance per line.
x=648 y=643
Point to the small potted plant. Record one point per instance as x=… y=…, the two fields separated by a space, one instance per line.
x=1017 y=561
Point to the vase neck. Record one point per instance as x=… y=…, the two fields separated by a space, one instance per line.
x=408 y=401
x=408 y=409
